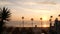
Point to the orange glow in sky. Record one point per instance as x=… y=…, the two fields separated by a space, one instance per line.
x=45 y=18
x=35 y=9
x=32 y=8
x=45 y=26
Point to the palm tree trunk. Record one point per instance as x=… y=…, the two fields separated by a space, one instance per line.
x=32 y=23
x=23 y=23
x=1 y=26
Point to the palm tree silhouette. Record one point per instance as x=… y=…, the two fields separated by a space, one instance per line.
x=51 y=20
x=32 y=21
x=4 y=16
x=41 y=21
x=59 y=15
x=50 y=29
x=58 y=25
x=23 y=20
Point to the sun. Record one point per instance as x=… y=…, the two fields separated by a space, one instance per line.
x=45 y=18
x=44 y=25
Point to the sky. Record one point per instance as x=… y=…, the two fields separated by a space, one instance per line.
x=32 y=8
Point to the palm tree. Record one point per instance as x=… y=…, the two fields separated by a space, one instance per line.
x=51 y=20
x=59 y=15
x=23 y=20
x=41 y=21
x=58 y=25
x=32 y=21
x=50 y=29
x=4 y=16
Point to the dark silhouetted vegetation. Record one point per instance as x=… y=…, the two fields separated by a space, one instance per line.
x=50 y=29
x=4 y=16
x=26 y=31
x=57 y=25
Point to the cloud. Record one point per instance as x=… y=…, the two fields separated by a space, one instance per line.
x=23 y=2
x=3 y=3
x=35 y=3
x=46 y=3
x=30 y=3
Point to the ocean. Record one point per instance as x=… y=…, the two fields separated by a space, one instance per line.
x=28 y=24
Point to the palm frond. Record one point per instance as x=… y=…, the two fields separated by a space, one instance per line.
x=5 y=14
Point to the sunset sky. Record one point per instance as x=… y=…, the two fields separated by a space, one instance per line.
x=32 y=8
